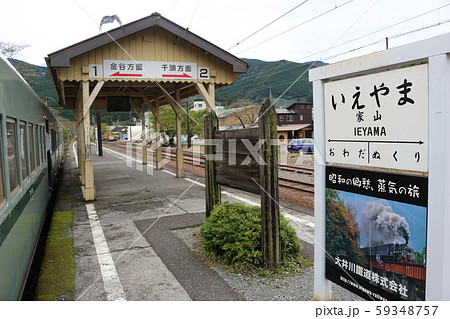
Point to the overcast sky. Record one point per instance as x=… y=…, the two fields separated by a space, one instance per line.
x=320 y=29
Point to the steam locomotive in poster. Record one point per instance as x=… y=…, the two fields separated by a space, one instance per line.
x=393 y=253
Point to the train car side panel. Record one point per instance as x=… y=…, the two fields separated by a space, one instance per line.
x=21 y=233
x=24 y=176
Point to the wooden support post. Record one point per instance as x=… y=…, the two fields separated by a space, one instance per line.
x=141 y=115
x=158 y=163
x=89 y=188
x=212 y=96
x=208 y=95
x=179 y=159
x=212 y=189
x=270 y=210
x=80 y=135
x=175 y=104
x=99 y=134
x=188 y=131
x=144 y=138
x=85 y=101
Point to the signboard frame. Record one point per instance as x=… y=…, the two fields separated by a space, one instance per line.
x=366 y=113
x=160 y=70
x=435 y=53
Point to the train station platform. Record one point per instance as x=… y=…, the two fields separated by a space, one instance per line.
x=123 y=241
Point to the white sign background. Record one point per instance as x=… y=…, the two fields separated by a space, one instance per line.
x=401 y=141
x=149 y=70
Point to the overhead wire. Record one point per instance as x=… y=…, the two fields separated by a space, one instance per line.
x=313 y=63
x=193 y=14
x=268 y=24
x=391 y=37
x=363 y=36
x=173 y=6
x=341 y=53
x=296 y=26
x=374 y=32
x=355 y=49
x=336 y=7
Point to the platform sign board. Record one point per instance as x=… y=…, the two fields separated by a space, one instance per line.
x=376 y=233
x=379 y=119
x=382 y=173
x=131 y=69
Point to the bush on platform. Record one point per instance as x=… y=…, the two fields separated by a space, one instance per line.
x=232 y=234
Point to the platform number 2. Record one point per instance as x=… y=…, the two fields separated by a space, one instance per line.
x=203 y=73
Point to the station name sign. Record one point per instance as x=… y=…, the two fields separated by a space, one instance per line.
x=379 y=119
x=130 y=69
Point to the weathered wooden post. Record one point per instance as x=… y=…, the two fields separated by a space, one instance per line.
x=270 y=211
x=212 y=187
x=99 y=134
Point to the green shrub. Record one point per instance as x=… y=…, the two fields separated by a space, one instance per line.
x=232 y=234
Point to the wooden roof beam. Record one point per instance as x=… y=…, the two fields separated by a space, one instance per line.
x=208 y=95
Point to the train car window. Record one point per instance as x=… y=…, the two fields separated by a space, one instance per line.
x=31 y=139
x=37 y=145
x=11 y=137
x=43 y=146
x=23 y=150
x=53 y=140
x=2 y=189
x=41 y=143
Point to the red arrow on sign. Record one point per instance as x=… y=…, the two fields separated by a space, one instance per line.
x=125 y=74
x=184 y=75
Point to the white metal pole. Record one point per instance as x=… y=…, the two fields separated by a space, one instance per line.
x=322 y=286
x=438 y=234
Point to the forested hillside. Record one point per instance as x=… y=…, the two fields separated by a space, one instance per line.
x=39 y=79
x=275 y=78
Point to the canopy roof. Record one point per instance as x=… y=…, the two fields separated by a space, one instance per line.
x=149 y=43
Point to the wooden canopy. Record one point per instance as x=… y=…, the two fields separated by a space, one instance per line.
x=146 y=63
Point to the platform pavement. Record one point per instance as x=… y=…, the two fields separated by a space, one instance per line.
x=124 y=249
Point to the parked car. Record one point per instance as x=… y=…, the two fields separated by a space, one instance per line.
x=304 y=145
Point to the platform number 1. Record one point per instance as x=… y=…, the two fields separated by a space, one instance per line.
x=203 y=73
x=95 y=71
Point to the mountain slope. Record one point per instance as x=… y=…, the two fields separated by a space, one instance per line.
x=38 y=78
x=280 y=78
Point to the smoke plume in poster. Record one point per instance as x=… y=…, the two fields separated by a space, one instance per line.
x=378 y=224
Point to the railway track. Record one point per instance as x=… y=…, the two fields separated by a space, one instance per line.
x=198 y=160
x=297 y=185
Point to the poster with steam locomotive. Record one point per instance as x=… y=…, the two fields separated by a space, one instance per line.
x=376 y=233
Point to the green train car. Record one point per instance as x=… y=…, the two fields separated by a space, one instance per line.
x=31 y=149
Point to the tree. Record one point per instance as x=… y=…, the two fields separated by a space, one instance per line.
x=247 y=116
x=342 y=233
x=11 y=49
x=104 y=127
x=167 y=120
x=240 y=102
x=196 y=122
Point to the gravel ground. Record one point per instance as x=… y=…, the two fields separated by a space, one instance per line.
x=298 y=287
